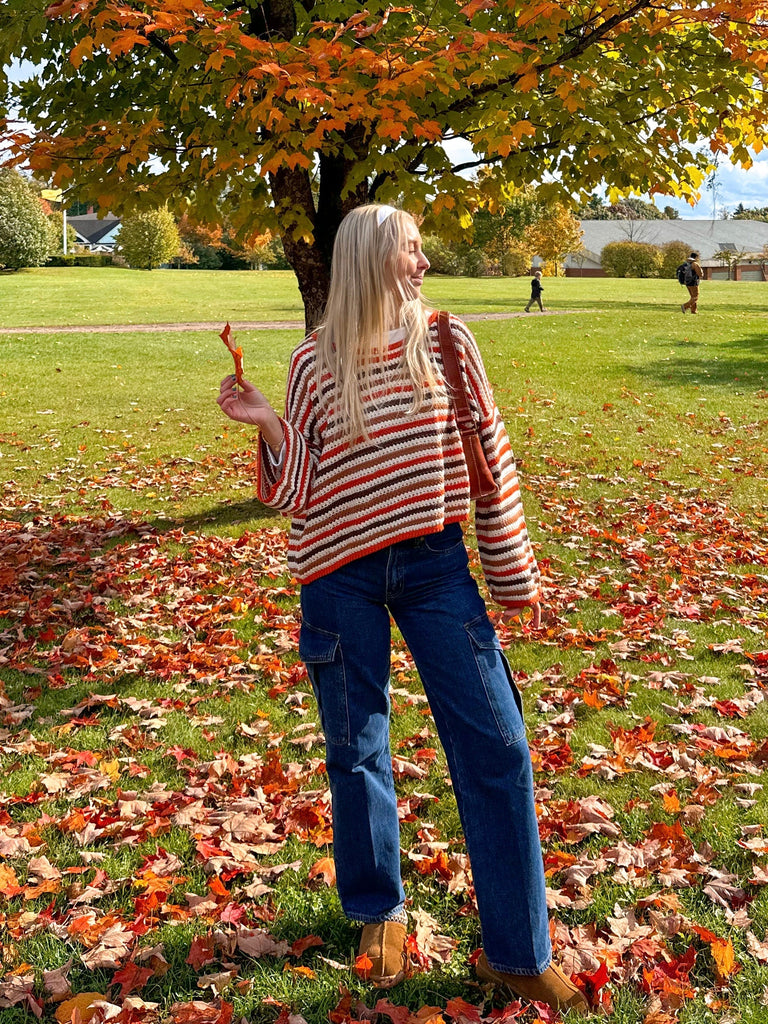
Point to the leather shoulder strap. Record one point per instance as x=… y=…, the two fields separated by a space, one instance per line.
x=453 y=373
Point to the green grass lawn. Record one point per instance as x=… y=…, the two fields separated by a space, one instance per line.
x=63 y=296
x=159 y=744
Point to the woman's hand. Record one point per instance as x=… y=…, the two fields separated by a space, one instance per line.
x=247 y=404
x=508 y=614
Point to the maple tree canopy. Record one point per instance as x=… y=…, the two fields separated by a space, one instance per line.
x=288 y=114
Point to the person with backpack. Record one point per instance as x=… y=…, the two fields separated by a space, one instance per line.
x=689 y=274
x=368 y=460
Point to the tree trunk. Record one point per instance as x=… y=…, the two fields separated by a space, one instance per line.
x=292 y=188
x=314 y=277
x=311 y=261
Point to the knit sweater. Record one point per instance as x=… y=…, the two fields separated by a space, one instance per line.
x=408 y=479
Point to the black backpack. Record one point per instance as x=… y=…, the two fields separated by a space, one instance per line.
x=686 y=274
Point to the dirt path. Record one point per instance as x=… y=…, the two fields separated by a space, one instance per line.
x=239 y=325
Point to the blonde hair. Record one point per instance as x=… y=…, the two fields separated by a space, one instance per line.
x=366 y=300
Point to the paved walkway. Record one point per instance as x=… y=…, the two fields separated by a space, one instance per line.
x=241 y=325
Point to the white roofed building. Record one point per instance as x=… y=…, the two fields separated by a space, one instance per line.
x=746 y=239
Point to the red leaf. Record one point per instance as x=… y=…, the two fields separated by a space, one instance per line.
x=201 y=952
x=590 y=984
x=459 y=1010
x=397 y=1014
x=131 y=978
x=300 y=945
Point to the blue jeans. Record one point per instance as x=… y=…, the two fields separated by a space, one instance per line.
x=426 y=586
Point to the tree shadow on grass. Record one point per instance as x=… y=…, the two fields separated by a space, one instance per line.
x=733 y=366
x=226 y=514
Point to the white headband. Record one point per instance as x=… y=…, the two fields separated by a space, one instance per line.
x=384 y=212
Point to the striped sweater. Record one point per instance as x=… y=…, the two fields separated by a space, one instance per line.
x=408 y=479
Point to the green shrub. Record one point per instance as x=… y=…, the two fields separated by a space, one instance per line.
x=632 y=259
x=148 y=238
x=81 y=259
x=25 y=236
x=517 y=263
x=674 y=253
x=443 y=257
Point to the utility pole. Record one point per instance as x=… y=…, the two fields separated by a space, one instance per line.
x=56 y=195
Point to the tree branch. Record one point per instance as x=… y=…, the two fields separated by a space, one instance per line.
x=162 y=46
x=579 y=48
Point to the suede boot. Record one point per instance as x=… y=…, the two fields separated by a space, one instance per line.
x=383 y=942
x=551 y=987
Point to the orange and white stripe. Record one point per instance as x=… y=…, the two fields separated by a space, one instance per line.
x=408 y=479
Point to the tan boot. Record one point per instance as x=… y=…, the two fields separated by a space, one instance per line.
x=551 y=987
x=383 y=942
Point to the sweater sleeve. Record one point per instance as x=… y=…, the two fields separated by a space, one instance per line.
x=286 y=486
x=506 y=554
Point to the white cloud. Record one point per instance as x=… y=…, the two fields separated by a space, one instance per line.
x=734 y=185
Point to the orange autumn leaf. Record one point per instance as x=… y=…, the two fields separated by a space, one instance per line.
x=83 y=1004
x=428 y=1015
x=9 y=883
x=725 y=960
x=671 y=803
x=325 y=869
x=592 y=700
x=363 y=965
x=303 y=972
x=237 y=352
x=217 y=888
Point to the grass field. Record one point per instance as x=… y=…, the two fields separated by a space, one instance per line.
x=51 y=296
x=164 y=796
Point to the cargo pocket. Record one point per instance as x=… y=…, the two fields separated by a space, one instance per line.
x=321 y=653
x=500 y=686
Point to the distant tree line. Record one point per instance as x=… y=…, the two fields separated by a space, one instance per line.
x=755 y=213
x=597 y=208
x=504 y=238
x=627 y=209
x=153 y=238
x=31 y=234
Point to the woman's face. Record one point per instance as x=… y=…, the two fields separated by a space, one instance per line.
x=411 y=264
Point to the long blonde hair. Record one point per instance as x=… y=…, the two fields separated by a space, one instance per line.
x=366 y=300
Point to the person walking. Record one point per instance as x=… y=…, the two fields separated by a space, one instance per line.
x=536 y=289
x=368 y=461
x=692 y=274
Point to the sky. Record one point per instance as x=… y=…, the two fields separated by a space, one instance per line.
x=734 y=184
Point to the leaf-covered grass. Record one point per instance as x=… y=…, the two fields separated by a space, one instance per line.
x=164 y=818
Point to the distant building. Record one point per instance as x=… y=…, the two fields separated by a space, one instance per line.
x=98 y=234
x=706 y=237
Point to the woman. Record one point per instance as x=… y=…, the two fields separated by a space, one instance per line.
x=368 y=462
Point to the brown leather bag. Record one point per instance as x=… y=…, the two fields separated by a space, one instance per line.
x=481 y=482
